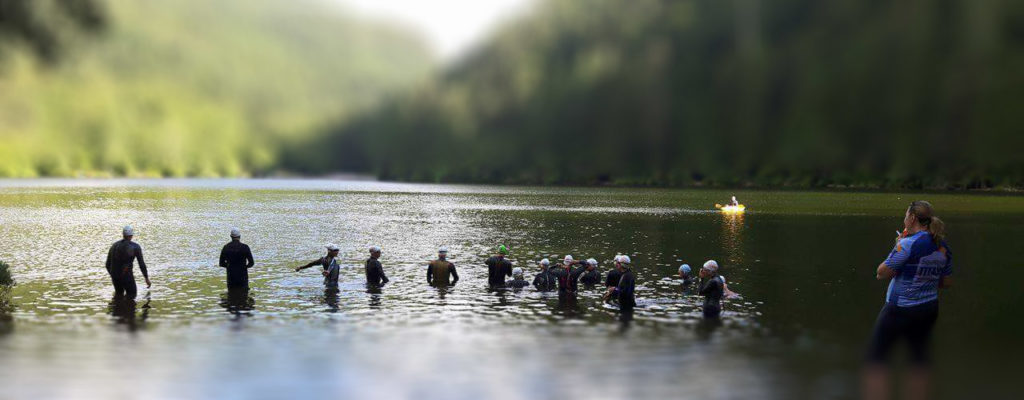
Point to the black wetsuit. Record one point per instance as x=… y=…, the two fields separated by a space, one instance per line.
x=712 y=290
x=119 y=265
x=591 y=277
x=375 y=273
x=568 y=279
x=438 y=273
x=237 y=259
x=625 y=291
x=545 y=281
x=497 y=269
x=517 y=284
x=613 y=281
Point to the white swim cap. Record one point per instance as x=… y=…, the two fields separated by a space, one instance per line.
x=684 y=269
x=332 y=247
x=235 y=233
x=128 y=231
x=711 y=265
x=591 y=261
x=624 y=259
x=374 y=249
x=545 y=262
x=443 y=249
x=568 y=259
x=517 y=271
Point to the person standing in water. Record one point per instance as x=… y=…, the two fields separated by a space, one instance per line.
x=329 y=264
x=612 y=280
x=375 y=277
x=734 y=202
x=624 y=291
x=712 y=289
x=440 y=271
x=517 y=281
x=685 y=274
x=498 y=267
x=236 y=258
x=545 y=281
x=568 y=278
x=918 y=266
x=590 y=276
x=120 y=259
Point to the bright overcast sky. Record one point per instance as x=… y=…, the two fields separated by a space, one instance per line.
x=452 y=26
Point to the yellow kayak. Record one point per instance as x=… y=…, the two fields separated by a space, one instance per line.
x=734 y=209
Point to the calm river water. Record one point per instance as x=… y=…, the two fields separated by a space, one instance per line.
x=803 y=263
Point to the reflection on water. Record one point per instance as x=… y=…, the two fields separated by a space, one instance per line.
x=732 y=238
x=125 y=311
x=237 y=302
x=331 y=298
x=796 y=333
x=6 y=308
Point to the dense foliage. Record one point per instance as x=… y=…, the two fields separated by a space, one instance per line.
x=186 y=87
x=713 y=92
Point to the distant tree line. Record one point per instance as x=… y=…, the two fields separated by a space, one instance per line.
x=802 y=93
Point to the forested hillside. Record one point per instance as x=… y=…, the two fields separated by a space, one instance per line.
x=738 y=92
x=186 y=87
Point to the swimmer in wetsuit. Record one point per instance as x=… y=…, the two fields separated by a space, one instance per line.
x=517 y=281
x=712 y=289
x=329 y=264
x=545 y=281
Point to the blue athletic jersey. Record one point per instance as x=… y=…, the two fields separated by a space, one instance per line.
x=919 y=265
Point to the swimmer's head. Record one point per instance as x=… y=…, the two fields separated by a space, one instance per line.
x=544 y=263
x=684 y=270
x=517 y=272
x=710 y=266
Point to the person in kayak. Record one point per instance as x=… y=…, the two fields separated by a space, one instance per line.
x=236 y=259
x=120 y=259
x=375 y=277
x=517 y=281
x=568 y=278
x=545 y=281
x=498 y=267
x=624 y=291
x=441 y=272
x=590 y=275
x=329 y=264
x=712 y=289
x=918 y=266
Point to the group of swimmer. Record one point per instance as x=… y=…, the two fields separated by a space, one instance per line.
x=564 y=277
x=919 y=264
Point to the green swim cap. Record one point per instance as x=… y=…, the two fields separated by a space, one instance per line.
x=502 y=249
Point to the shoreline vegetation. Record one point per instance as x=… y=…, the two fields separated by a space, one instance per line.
x=625 y=184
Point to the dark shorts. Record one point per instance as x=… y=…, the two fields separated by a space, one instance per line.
x=913 y=324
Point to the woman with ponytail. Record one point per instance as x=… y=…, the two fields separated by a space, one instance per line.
x=916 y=268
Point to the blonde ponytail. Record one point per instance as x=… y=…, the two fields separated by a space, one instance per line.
x=938 y=230
x=925 y=215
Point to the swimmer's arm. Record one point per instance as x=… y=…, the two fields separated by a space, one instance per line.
x=455 y=274
x=223 y=258
x=430 y=274
x=315 y=262
x=249 y=261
